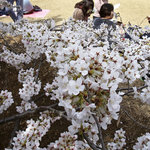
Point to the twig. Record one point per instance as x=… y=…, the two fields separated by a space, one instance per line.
x=100 y=132
x=8 y=44
x=130 y=91
x=16 y=127
x=34 y=63
x=123 y=89
x=37 y=62
x=12 y=49
x=134 y=119
x=54 y=29
x=128 y=85
x=36 y=78
x=97 y=122
x=40 y=96
x=36 y=110
x=89 y=94
x=91 y=144
x=142 y=21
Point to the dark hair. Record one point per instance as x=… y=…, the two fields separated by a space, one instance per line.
x=85 y=5
x=106 y=9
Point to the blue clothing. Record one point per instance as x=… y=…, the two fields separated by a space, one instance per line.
x=3 y=12
x=19 y=11
x=98 y=21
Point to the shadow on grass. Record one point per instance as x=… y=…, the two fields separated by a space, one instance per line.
x=57 y=19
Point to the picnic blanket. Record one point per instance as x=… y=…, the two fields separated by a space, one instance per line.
x=36 y=14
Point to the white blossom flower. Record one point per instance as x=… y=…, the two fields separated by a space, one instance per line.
x=82 y=66
x=74 y=87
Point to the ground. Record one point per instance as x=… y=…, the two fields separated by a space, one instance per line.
x=134 y=11
x=135 y=108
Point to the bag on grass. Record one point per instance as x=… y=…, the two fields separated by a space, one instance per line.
x=37 y=8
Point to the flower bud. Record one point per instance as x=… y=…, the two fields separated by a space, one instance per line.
x=91 y=66
x=91 y=72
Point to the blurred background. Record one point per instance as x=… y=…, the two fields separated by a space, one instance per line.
x=133 y=11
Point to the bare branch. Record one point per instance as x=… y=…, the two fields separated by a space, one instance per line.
x=91 y=144
x=100 y=132
x=40 y=96
x=13 y=49
x=131 y=89
x=16 y=127
x=133 y=119
x=96 y=120
x=8 y=44
x=36 y=110
x=36 y=78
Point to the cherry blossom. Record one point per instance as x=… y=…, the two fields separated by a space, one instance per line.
x=90 y=70
x=74 y=87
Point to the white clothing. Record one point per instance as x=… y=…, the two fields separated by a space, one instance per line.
x=98 y=4
x=27 y=6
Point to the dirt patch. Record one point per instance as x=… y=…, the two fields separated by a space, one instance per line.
x=9 y=81
x=135 y=12
x=132 y=109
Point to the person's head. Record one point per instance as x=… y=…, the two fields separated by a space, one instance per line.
x=106 y=11
x=86 y=6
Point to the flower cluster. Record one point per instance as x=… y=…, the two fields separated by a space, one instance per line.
x=144 y=94
x=15 y=60
x=30 y=88
x=143 y=142
x=12 y=28
x=50 y=23
x=4 y=3
x=31 y=137
x=5 y=100
x=90 y=68
x=25 y=76
x=34 y=37
x=25 y=105
x=68 y=141
x=119 y=140
x=92 y=65
x=93 y=71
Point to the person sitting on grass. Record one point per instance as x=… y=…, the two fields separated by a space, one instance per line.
x=27 y=7
x=106 y=12
x=98 y=4
x=12 y=14
x=83 y=10
x=148 y=18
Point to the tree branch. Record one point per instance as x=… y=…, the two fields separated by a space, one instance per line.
x=36 y=78
x=36 y=110
x=100 y=132
x=131 y=89
x=134 y=119
x=13 y=50
x=91 y=144
x=40 y=96
x=16 y=127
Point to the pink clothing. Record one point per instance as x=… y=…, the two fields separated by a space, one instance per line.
x=98 y=4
